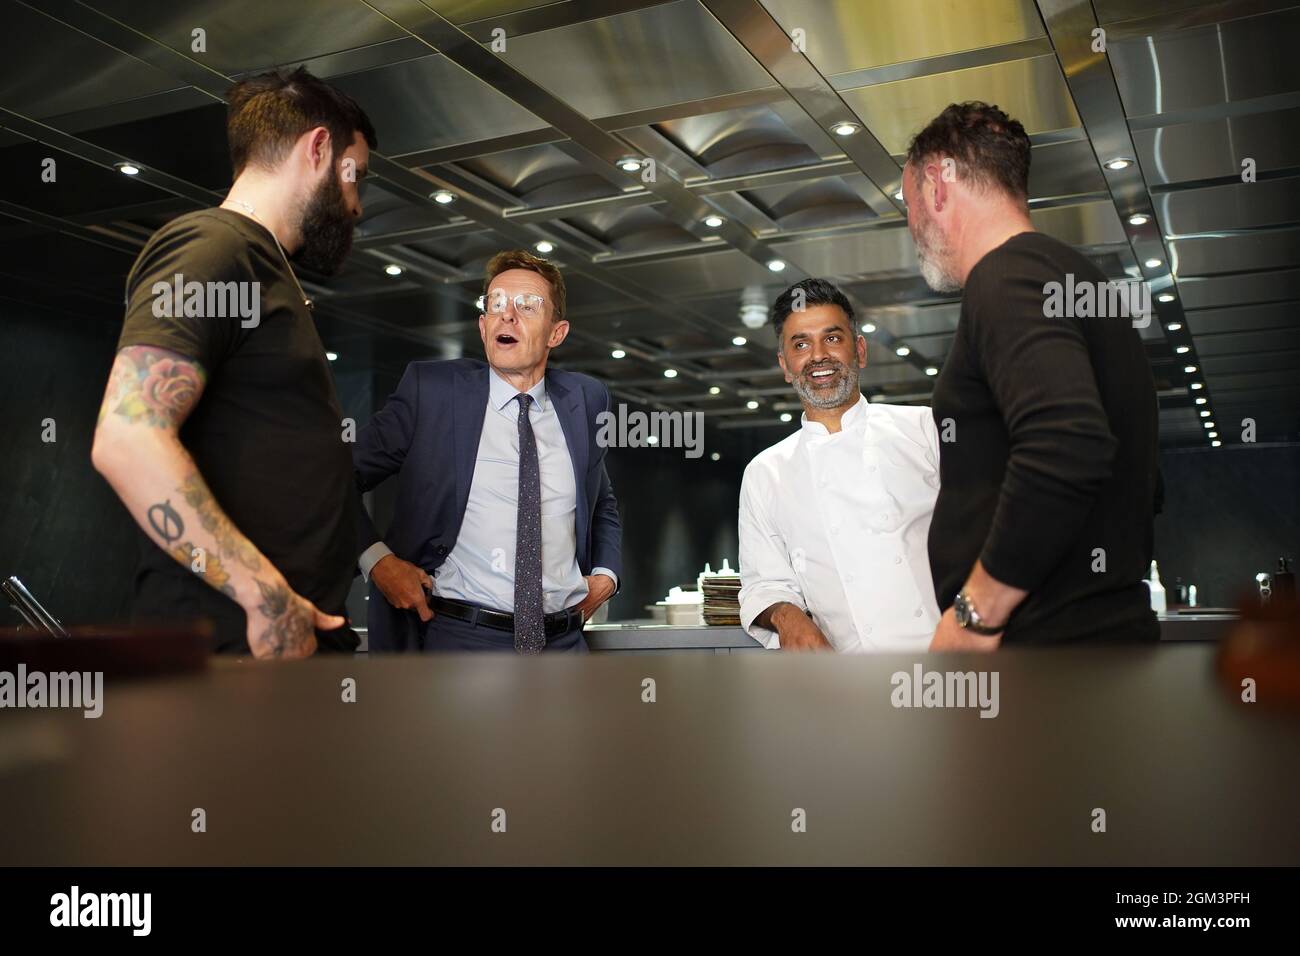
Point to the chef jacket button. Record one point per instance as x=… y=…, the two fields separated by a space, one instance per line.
x=897 y=559
x=917 y=613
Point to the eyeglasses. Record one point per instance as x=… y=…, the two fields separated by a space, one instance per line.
x=527 y=305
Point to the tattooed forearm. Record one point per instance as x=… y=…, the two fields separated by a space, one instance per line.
x=286 y=632
x=232 y=543
x=152 y=386
x=207 y=566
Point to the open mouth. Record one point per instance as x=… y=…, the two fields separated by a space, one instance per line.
x=505 y=338
x=822 y=377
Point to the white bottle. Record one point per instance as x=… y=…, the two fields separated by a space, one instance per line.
x=1157 y=590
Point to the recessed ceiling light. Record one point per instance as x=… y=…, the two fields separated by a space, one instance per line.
x=786 y=416
x=1189 y=369
x=1196 y=385
x=1138 y=219
x=739 y=340
x=670 y=373
x=393 y=269
x=715 y=456
x=1205 y=413
x=1215 y=444
x=332 y=356
x=444 y=196
x=629 y=164
x=1213 y=434
x=751 y=404
x=618 y=353
x=544 y=246
x=1165 y=297
x=1208 y=424
x=1152 y=263
x=1201 y=399
x=652 y=439
x=902 y=350
x=1183 y=349
x=868 y=327
x=128 y=169
x=776 y=265
x=713 y=222
x=846 y=128
x=931 y=370
x=714 y=390
x=1174 y=326
x=1119 y=162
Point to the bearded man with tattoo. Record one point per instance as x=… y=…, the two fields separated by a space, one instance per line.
x=220 y=428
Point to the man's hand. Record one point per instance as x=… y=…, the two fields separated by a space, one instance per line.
x=797 y=630
x=403 y=584
x=283 y=623
x=951 y=636
x=600 y=588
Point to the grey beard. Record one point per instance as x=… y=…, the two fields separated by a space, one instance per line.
x=845 y=385
x=936 y=277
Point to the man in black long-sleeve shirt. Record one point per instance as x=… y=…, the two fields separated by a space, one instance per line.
x=1042 y=531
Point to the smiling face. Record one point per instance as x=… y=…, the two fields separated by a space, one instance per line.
x=821 y=355
x=517 y=342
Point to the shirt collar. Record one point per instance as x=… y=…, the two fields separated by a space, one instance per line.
x=855 y=417
x=501 y=393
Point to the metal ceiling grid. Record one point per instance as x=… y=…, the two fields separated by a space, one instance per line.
x=734 y=101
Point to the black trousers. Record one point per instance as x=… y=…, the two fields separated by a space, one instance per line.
x=448 y=634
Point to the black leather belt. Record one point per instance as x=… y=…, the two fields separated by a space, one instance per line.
x=560 y=622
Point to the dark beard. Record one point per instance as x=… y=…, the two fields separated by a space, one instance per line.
x=326 y=230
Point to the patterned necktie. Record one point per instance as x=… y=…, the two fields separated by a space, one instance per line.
x=530 y=631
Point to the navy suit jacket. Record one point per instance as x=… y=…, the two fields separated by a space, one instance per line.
x=428 y=434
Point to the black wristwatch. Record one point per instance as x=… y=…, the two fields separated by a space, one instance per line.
x=969 y=618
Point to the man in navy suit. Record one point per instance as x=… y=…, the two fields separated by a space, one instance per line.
x=506 y=535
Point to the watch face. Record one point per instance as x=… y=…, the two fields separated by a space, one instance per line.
x=962 y=610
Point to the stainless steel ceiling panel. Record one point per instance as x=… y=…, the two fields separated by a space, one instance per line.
x=83 y=74
x=740 y=142
x=1217 y=148
x=1209 y=65
x=1273 y=348
x=666 y=54
x=846 y=35
x=541 y=176
x=1032 y=90
x=1236 y=205
x=1083 y=224
x=1221 y=291
x=1064 y=169
x=1243 y=252
x=243 y=35
x=1277 y=315
x=431 y=102
x=725 y=269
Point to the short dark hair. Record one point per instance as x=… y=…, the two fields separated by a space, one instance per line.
x=814 y=292
x=269 y=112
x=522 y=259
x=989 y=146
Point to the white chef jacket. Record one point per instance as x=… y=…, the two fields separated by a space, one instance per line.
x=837 y=524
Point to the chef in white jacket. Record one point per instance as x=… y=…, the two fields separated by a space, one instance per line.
x=834 y=518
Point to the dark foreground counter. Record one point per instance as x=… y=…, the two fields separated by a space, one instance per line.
x=586 y=771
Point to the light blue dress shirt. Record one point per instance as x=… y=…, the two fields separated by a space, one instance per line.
x=481 y=566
